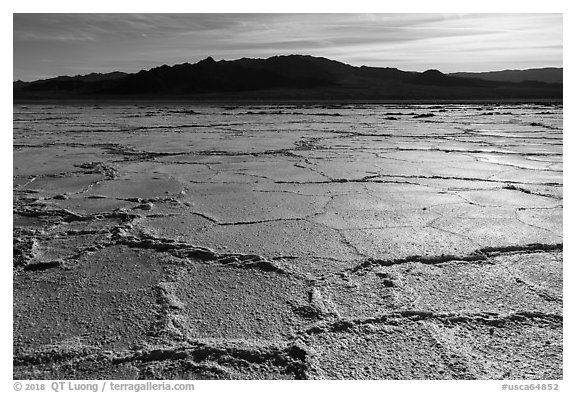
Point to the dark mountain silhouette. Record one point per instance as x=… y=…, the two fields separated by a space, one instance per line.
x=281 y=77
x=93 y=77
x=546 y=75
x=68 y=84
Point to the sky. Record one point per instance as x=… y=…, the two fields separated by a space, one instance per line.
x=49 y=45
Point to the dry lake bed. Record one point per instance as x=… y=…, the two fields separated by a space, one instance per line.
x=173 y=241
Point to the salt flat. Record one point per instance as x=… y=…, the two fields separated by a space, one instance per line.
x=288 y=241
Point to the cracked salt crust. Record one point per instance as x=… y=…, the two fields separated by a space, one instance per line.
x=356 y=242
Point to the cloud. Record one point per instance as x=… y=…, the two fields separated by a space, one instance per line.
x=419 y=41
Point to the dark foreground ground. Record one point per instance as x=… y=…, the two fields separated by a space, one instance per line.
x=273 y=242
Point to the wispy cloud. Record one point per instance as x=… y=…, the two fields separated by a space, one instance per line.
x=450 y=42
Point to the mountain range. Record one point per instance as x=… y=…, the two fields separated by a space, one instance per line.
x=546 y=75
x=297 y=77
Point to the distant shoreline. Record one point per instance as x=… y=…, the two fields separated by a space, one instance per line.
x=248 y=102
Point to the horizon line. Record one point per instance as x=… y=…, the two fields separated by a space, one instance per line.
x=270 y=57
